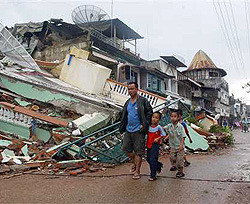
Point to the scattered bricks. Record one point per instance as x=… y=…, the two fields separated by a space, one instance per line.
x=38 y=164
x=33 y=165
x=77 y=171
x=16 y=145
x=56 y=170
x=58 y=138
x=42 y=155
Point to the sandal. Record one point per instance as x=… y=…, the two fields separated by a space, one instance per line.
x=152 y=178
x=173 y=168
x=186 y=163
x=180 y=174
x=136 y=176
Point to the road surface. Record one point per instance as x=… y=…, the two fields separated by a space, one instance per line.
x=223 y=177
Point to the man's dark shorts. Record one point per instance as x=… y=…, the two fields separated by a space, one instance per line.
x=134 y=142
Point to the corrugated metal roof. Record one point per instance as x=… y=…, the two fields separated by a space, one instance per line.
x=201 y=60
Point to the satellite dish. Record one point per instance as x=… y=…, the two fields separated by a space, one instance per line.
x=11 y=48
x=89 y=17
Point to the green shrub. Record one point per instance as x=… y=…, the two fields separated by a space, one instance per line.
x=230 y=139
x=218 y=129
x=190 y=119
x=215 y=129
x=226 y=129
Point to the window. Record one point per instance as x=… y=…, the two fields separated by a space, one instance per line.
x=154 y=83
x=199 y=74
x=149 y=81
x=127 y=72
x=213 y=74
x=134 y=76
x=131 y=75
x=158 y=85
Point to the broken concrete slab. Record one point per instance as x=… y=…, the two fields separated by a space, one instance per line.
x=199 y=143
x=4 y=169
x=43 y=135
x=4 y=143
x=19 y=168
x=91 y=122
x=77 y=71
x=73 y=150
x=35 y=114
x=25 y=150
x=17 y=129
x=22 y=102
x=72 y=163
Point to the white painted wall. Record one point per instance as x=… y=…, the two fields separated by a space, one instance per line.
x=85 y=74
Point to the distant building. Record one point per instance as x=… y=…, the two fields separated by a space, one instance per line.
x=215 y=92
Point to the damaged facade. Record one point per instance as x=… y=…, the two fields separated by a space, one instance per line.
x=214 y=94
x=68 y=108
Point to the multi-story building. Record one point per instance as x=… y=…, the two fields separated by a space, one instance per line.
x=215 y=92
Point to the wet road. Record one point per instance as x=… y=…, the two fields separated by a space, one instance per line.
x=209 y=179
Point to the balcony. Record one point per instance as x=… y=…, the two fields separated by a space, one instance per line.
x=119 y=93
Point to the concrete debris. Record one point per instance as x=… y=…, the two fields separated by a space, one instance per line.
x=29 y=156
x=199 y=143
x=31 y=137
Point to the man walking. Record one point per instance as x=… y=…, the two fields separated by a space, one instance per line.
x=135 y=121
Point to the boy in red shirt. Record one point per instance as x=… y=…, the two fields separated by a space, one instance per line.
x=155 y=133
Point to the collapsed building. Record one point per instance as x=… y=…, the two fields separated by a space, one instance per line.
x=64 y=101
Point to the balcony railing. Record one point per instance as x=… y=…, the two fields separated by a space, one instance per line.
x=105 y=39
x=119 y=93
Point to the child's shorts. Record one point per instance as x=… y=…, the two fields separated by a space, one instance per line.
x=177 y=157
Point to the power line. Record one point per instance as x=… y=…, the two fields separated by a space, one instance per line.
x=248 y=37
x=227 y=39
x=234 y=37
x=237 y=38
x=247 y=22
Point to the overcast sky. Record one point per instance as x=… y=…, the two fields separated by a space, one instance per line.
x=169 y=27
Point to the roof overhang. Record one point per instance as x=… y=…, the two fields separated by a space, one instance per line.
x=154 y=71
x=222 y=71
x=173 y=61
x=123 y=31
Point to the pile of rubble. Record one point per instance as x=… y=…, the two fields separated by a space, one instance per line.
x=18 y=156
x=31 y=137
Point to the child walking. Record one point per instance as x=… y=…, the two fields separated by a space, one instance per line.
x=186 y=162
x=176 y=134
x=155 y=133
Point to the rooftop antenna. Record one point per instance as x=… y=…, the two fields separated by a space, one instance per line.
x=90 y=17
x=112 y=12
x=11 y=48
